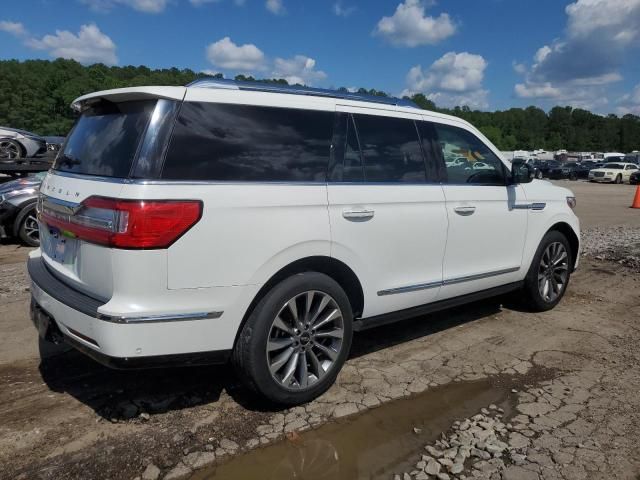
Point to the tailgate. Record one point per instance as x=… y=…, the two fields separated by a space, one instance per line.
x=83 y=265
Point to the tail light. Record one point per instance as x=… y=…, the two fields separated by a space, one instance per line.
x=131 y=224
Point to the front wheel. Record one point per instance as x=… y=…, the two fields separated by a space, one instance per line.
x=619 y=179
x=296 y=339
x=539 y=175
x=10 y=149
x=548 y=276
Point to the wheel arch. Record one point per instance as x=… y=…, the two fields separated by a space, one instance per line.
x=333 y=268
x=572 y=237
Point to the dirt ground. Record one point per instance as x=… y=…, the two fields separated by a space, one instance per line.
x=575 y=372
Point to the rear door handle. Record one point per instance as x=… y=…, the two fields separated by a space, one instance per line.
x=358 y=214
x=465 y=211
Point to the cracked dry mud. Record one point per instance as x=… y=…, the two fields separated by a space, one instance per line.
x=576 y=413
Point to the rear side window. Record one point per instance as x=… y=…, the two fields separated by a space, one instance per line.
x=105 y=139
x=224 y=142
x=390 y=149
x=467 y=158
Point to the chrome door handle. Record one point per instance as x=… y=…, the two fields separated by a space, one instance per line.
x=358 y=214
x=465 y=211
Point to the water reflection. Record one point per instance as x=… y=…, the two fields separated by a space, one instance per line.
x=372 y=445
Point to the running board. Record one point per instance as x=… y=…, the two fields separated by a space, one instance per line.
x=361 y=324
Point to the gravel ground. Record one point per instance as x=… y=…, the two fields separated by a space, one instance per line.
x=620 y=244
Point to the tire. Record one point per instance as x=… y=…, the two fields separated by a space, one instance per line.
x=539 y=175
x=619 y=179
x=573 y=177
x=537 y=276
x=10 y=149
x=253 y=361
x=26 y=225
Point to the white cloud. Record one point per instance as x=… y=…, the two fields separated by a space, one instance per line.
x=227 y=55
x=299 y=69
x=409 y=26
x=540 y=90
x=146 y=6
x=519 y=68
x=630 y=103
x=90 y=45
x=14 y=28
x=275 y=6
x=575 y=68
x=341 y=11
x=454 y=79
x=456 y=72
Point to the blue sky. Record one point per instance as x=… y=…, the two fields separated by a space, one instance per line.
x=488 y=54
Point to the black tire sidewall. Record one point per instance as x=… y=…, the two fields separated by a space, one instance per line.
x=533 y=297
x=249 y=355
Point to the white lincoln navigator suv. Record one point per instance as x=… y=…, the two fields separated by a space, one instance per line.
x=263 y=225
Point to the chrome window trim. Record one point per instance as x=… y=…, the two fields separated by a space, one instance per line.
x=179 y=317
x=450 y=281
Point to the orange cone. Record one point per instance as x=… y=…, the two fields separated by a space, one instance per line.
x=636 y=199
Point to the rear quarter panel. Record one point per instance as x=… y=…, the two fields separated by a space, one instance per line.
x=247 y=231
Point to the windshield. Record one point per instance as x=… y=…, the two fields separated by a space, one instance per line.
x=105 y=139
x=613 y=166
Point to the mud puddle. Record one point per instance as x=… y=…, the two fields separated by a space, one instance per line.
x=374 y=444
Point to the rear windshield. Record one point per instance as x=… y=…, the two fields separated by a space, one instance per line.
x=105 y=139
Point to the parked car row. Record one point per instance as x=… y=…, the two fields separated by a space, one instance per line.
x=616 y=170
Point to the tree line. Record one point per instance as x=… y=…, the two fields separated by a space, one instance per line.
x=35 y=95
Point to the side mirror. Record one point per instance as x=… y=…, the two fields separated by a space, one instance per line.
x=521 y=171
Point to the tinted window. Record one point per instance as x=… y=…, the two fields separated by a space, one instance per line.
x=390 y=149
x=105 y=139
x=248 y=143
x=467 y=159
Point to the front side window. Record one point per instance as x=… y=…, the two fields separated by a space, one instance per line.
x=390 y=149
x=105 y=139
x=224 y=142
x=467 y=158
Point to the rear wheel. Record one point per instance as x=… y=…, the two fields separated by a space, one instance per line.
x=27 y=226
x=296 y=340
x=548 y=276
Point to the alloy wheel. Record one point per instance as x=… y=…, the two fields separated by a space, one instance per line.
x=305 y=340
x=31 y=229
x=553 y=271
x=9 y=149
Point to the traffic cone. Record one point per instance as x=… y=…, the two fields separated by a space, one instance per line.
x=636 y=199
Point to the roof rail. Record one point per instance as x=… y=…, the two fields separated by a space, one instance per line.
x=227 y=84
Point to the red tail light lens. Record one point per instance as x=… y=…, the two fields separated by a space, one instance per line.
x=143 y=224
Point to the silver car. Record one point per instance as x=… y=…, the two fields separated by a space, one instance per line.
x=15 y=144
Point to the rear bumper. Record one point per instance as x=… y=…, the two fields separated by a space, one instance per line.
x=61 y=313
